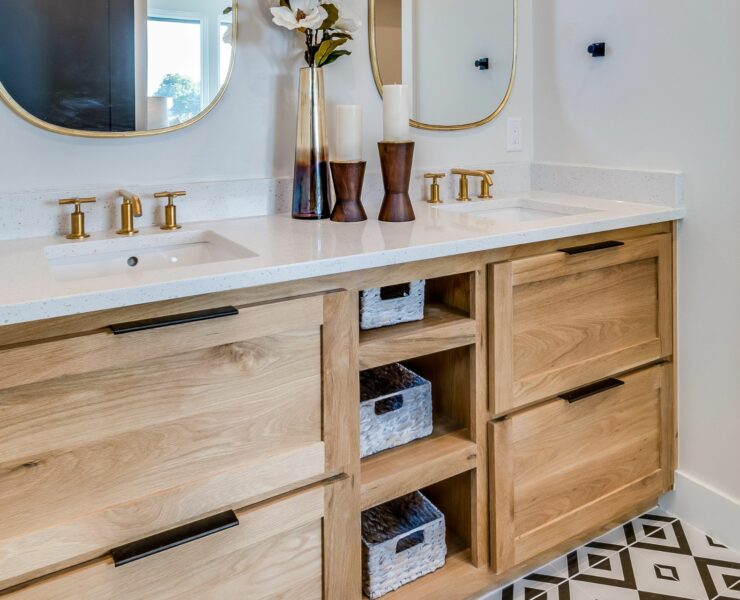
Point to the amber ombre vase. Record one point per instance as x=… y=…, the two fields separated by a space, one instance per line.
x=311 y=192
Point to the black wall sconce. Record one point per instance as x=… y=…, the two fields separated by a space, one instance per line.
x=483 y=64
x=597 y=49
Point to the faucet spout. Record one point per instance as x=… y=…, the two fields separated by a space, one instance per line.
x=133 y=199
x=485 y=175
x=130 y=208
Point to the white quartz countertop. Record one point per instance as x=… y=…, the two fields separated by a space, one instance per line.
x=289 y=250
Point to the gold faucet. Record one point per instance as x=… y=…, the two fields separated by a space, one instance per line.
x=77 y=217
x=170 y=211
x=130 y=208
x=434 y=192
x=485 y=185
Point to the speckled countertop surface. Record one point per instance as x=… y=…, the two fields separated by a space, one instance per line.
x=289 y=250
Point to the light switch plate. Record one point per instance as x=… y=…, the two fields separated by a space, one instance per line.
x=514 y=134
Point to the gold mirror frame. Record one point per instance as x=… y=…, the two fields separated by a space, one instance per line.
x=33 y=120
x=427 y=126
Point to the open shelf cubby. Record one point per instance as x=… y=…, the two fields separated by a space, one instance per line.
x=452 y=496
x=447 y=348
x=449 y=451
x=447 y=324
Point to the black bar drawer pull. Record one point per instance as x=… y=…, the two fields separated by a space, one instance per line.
x=591 y=390
x=174 y=537
x=158 y=322
x=591 y=247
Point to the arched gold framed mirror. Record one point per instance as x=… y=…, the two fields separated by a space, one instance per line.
x=115 y=68
x=458 y=57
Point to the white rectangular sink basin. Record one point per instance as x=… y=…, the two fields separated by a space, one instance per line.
x=132 y=257
x=516 y=210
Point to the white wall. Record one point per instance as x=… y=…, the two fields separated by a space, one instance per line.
x=667 y=96
x=251 y=133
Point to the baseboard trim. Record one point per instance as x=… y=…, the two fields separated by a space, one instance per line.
x=706 y=508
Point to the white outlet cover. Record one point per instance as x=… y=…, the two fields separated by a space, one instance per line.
x=514 y=134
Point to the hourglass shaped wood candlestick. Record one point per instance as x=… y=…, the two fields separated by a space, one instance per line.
x=348 y=179
x=396 y=160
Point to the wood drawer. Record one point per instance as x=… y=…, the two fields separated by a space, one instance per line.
x=563 y=469
x=565 y=319
x=107 y=438
x=274 y=552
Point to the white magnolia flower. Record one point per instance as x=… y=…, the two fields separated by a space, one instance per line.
x=303 y=14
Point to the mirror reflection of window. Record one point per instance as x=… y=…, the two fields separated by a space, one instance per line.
x=175 y=57
x=128 y=65
x=188 y=58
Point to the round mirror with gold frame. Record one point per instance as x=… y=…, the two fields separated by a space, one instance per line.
x=115 y=68
x=457 y=57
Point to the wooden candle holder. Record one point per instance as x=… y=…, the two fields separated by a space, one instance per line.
x=396 y=160
x=348 y=179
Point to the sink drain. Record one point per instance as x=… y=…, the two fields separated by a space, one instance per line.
x=132 y=261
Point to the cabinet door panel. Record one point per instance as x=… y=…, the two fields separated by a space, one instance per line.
x=560 y=321
x=563 y=469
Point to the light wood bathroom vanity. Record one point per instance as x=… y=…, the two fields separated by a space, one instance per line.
x=552 y=372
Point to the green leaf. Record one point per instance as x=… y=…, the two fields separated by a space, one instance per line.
x=285 y=3
x=228 y=10
x=336 y=35
x=333 y=17
x=334 y=56
x=326 y=48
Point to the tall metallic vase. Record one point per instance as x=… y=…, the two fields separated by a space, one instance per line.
x=311 y=192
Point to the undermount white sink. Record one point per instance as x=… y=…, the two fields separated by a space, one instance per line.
x=516 y=210
x=132 y=257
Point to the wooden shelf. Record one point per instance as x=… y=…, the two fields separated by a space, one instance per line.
x=393 y=473
x=456 y=580
x=443 y=328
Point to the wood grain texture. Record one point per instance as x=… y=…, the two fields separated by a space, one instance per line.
x=341 y=385
x=275 y=552
x=84 y=354
x=211 y=418
x=571 y=320
x=479 y=422
x=442 y=329
x=419 y=464
x=563 y=469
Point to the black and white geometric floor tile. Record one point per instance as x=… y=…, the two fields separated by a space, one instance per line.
x=654 y=557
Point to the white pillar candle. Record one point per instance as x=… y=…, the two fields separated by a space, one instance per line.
x=349 y=133
x=396 y=127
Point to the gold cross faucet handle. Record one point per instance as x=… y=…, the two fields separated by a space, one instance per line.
x=434 y=195
x=77 y=217
x=170 y=211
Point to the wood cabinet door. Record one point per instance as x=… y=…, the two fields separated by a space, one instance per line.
x=275 y=551
x=572 y=317
x=565 y=468
x=108 y=438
